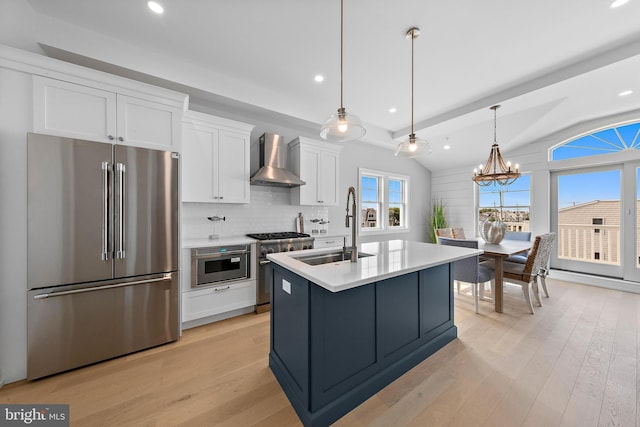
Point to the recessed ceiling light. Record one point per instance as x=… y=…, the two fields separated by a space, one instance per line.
x=625 y=93
x=446 y=147
x=319 y=78
x=155 y=6
x=393 y=110
x=618 y=3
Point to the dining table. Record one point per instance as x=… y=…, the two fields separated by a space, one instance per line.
x=499 y=252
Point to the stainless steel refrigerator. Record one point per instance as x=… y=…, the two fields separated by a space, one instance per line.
x=102 y=252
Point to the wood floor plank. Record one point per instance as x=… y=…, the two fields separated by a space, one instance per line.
x=578 y=357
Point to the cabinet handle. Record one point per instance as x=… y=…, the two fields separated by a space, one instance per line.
x=221 y=289
x=120 y=138
x=110 y=137
x=320 y=201
x=329 y=242
x=221 y=197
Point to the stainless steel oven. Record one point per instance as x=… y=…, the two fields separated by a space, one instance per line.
x=269 y=243
x=217 y=265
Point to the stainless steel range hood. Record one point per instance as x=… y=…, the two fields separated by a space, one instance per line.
x=273 y=154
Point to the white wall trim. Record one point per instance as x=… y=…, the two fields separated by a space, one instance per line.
x=597 y=281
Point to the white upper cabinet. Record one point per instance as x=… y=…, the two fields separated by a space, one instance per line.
x=215 y=159
x=316 y=163
x=80 y=111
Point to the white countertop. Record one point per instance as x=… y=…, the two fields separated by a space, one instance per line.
x=222 y=241
x=389 y=259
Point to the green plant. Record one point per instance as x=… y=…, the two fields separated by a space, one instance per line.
x=438 y=219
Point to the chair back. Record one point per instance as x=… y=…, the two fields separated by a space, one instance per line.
x=517 y=235
x=444 y=232
x=458 y=233
x=465 y=270
x=539 y=255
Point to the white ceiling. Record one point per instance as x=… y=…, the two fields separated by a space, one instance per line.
x=551 y=64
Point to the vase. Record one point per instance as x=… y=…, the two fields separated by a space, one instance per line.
x=492 y=231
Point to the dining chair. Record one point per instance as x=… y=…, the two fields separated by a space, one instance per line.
x=469 y=270
x=458 y=233
x=518 y=235
x=527 y=274
x=444 y=232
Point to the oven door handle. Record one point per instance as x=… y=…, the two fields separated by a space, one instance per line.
x=219 y=255
x=264 y=262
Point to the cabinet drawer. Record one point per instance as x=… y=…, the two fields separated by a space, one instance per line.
x=208 y=302
x=327 y=242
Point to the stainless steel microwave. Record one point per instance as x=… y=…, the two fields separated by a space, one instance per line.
x=217 y=265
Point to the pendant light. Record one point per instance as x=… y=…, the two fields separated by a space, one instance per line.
x=496 y=171
x=414 y=146
x=342 y=126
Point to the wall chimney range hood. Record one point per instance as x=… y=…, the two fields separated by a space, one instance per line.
x=273 y=152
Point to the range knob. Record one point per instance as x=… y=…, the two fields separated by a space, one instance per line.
x=263 y=253
x=270 y=250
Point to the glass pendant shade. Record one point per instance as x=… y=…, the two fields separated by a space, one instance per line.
x=412 y=147
x=342 y=127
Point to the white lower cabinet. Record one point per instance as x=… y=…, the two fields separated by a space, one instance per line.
x=206 y=302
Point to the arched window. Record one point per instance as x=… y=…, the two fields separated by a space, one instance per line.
x=610 y=140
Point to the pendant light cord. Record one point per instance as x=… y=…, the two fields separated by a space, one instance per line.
x=341 y=46
x=412 y=39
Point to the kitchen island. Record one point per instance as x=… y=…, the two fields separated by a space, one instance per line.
x=342 y=331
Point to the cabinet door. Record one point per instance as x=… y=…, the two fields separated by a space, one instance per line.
x=232 y=168
x=72 y=110
x=148 y=124
x=328 y=179
x=198 y=144
x=309 y=164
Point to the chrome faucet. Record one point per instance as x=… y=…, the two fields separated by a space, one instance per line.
x=354 y=246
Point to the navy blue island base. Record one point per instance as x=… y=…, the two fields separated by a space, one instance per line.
x=330 y=351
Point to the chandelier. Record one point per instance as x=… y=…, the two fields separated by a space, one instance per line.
x=496 y=170
x=342 y=126
x=414 y=145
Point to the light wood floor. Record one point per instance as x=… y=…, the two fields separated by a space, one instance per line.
x=574 y=363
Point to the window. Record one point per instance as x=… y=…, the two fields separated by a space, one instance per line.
x=610 y=140
x=597 y=221
x=383 y=201
x=508 y=203
x=370 y=207
x=396 y=203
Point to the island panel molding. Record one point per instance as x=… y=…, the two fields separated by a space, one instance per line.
x=330 y=351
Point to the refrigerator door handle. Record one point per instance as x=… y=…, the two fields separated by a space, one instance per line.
x=100 y=288
x=105 y=211
x=121 y=169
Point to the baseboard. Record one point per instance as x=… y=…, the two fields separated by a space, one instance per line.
x=598 y=281
x=217 y=317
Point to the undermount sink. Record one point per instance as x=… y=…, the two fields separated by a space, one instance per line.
x=328 y=258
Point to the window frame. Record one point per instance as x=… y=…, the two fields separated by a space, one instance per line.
x=506 y=207
x=383 y=200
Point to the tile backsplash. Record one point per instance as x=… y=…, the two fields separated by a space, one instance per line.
x=270 y=210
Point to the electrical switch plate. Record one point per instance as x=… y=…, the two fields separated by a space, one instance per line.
x=286 y=286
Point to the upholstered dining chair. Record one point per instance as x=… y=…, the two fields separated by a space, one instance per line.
x=444 y=232
x=527 y=274
x=518 y=235
x=469 y=270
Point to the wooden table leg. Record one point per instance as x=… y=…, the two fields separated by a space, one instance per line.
x=498 y=287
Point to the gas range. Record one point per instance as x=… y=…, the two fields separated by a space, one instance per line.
x=269 y=243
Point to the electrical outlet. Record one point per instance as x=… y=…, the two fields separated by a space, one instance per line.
x=286 y=286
